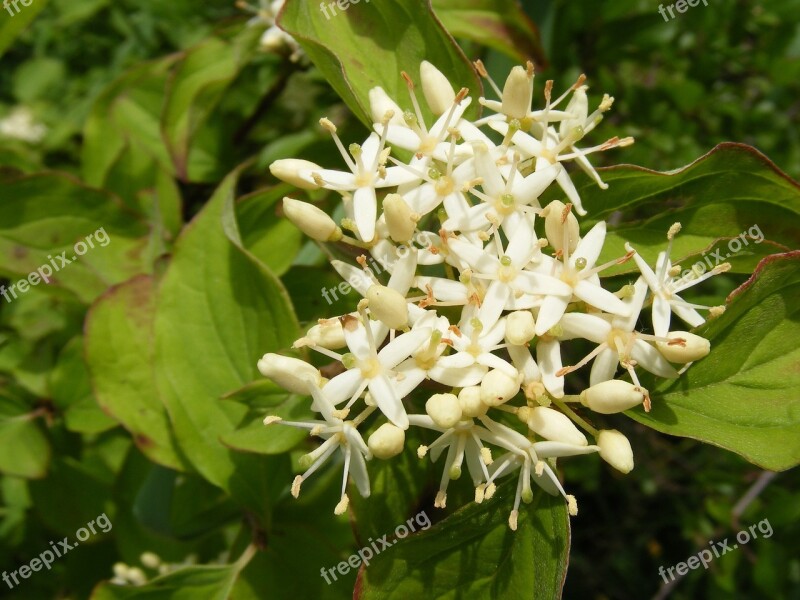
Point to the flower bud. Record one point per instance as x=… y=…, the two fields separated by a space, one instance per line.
x=438 y=92
x=498 y=388
x=388 y=306
x=612 y=396
x=399 y=218
x=615 y=449
x=520 y=327
x=380 y=103
x=444 y=409
x=311 y=220
x=555 y=426
x=327 y=334
x=518 y=93
x=288 y=170
x=694 y=348
x=554 y=226
x=387 y=441
x=292 y=374
x=469 y=398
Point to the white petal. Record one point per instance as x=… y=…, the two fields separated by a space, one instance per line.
x=402 y=137
x=538 y=283
x=403 y=272
x=582 y=325
x=569 y=189
x=358 y=472
x=628 y=322
x=493 y=303
x=688 y=314
x=651 y=359
x=548 y=356
x=387 y=400
x=471 y=219
x=604 y=367
x=524 y=363
x=601 y=298
x=521 y=248
x=528 y=190
x=403 y=346
x=457 y=377
x=661 y=316
x=356 y=277
x=590 y=246
x=550 y=313
x=365 y=210
x=343 y=386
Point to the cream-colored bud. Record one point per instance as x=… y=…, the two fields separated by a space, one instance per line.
x=520 y=327
x=387 y=441
x=554 y=225
x=311 y=220
x=399 y=218
x=150 y=560
x=292 y=374
x=438 y=92
x=288 y=170
x=498 y=388
x=471 y=404
x=615 y=449
x=555 y=426
x=444 y=409
x=694 y=347
x=612 y=396
x=518 y=93
x=328 y=333
x=380 y=103
x=388 y=306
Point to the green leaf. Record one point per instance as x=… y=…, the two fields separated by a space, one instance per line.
x=71 y=392
x=743 y=395
x=207 y=582
x=119 y=353
x=12 y=25
x=265 y=232
x=732 y=190
x=253 y=436
x=44 y=215
x=233 y=310
x=499 y=24
x=197 y=85
x=24 y=449
x=474 y=554
x=391 y=36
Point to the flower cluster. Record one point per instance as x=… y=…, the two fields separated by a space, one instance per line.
x=477 y=305
x=274 y=39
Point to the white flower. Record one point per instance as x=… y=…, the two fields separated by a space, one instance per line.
x=20 y=125
x=665 y=288
x=577 y=270
x=337 y=433
x=528 y=457
x=368 y=368
x=463 y=440
x=367 y=173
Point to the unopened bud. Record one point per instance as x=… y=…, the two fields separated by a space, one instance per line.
x=311 y=220
x=520 y=327
x=469 y=398
x=380 y=103
x=554 y=226
x=555 y=426
x=387 y=441
x=438 y=92
x=694 y=347
x=615 y=449
x=612 y=396
x=327 y=334
x=388 y=306
x=292 y=374
x=288 y=170
x=518 y=93
x=444 y=409
x=399 y=218
x=498 y=388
